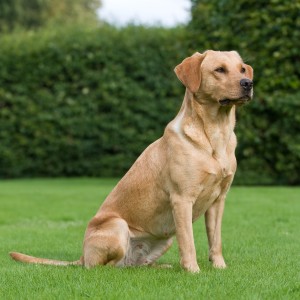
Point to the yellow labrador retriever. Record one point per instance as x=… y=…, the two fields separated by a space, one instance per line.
x=181 y=176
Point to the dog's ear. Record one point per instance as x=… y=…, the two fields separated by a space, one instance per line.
x=188 y=72
x=249 y=71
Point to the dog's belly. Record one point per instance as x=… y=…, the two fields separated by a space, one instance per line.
x=163 y=225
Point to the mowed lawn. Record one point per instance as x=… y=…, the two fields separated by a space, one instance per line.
x=48 y=217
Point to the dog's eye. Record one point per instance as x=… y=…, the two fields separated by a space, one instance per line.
x=243 y=70
x=220 y=70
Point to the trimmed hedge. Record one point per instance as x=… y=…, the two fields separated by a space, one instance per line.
x=86 y=102
x=268 y=149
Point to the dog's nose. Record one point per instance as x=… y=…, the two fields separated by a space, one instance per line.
x=247 y=84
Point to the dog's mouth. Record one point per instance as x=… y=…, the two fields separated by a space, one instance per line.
x=238 y=101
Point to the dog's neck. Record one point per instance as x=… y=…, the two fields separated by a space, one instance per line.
x=216 y=121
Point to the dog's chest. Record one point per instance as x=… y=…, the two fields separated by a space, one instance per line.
x=212 y=186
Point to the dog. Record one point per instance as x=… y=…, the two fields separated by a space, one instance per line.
x=181 y=176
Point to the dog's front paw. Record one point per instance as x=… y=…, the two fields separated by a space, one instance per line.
x=218 y=262
x=191 y=267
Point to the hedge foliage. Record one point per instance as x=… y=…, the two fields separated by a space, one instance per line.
x=86 y=102
x=29 y=14
x=83 y=101
x=268 y=149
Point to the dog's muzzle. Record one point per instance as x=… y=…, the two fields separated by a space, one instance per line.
x=247 y=86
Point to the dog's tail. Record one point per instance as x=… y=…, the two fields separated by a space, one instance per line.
x=44 y=261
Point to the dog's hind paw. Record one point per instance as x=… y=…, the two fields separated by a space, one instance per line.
x=161 y=266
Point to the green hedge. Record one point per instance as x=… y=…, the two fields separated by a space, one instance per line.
x=268 y=149
x=86 y=102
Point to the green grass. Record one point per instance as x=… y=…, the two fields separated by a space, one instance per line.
x=47 y=218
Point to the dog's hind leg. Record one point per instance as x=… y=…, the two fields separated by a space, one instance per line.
x=144 y=251
x=158 y=249
x=106 y=243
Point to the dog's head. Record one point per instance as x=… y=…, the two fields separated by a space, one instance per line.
x=217 y=76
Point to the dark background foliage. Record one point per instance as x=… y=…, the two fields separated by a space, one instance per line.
x=32 y=14
x=86 y=100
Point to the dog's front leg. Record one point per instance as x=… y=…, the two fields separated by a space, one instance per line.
x=182 y=212
x=213 y=222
